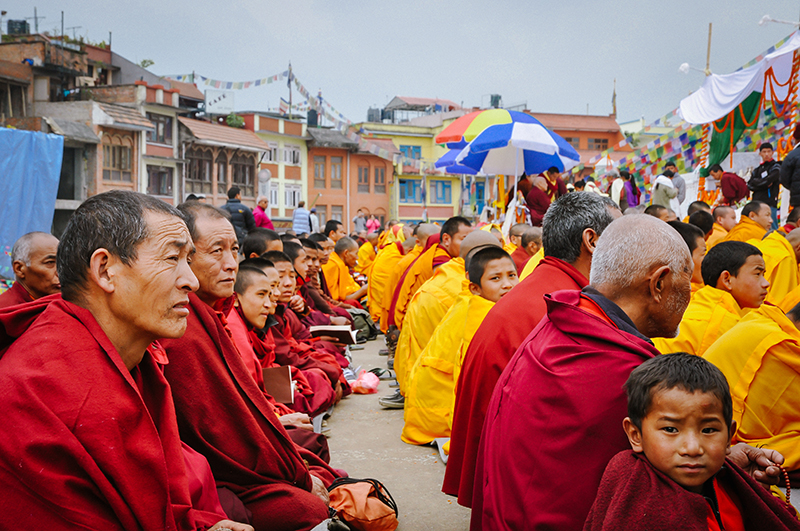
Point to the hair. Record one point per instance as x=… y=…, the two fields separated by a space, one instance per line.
x=287 y=237
x=262 y=198
x=625 y=175
x=715 y=167
x=766 y=145
x=114 y=221
x=668 y=173
x=720 y=211
x=533 y=234
x=245 y=276
x=669 y=371
x=696 y=206
x=568 y=217
x=23 y=247
x=589 y=179
x=552 y=169
x=310 y=244
x=703 y=220
x=258 y=240
x=192 y=197
x=193 y=210
x=751 y=207
x=654 y=210
x=580 y=184
x=301 y=204
x=690 y=233
x=670 y=164
x=292 y=250
x=318 y=237
x=345 y=243
x=256 y=261
x=233 y=191
x=726 y=256
x=453 y=225
x=476 y=264
x=277 y=257
x=793 y=216
x=518 y=229
x=331 y=226
x=633 y=245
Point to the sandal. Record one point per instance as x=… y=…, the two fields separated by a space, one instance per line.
x=383 y=374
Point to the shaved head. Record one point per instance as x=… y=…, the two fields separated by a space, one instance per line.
x=345 y=243
x=518 y=229
x=372 y=238
x=425 y=231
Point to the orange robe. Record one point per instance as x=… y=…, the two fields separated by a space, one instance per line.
x=366 y=256
x=340 y=281
x=717 y=235
x=791 y=300
x=419 y=272
x=746 y=229
x=379 y=274
x=781 y=266
x=391 y=284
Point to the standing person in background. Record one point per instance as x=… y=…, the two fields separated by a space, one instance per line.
x=373 y=225
x=301 y=221
x=538 y=201
x=664 y=190
x=524 y=186
x=765 y=181
x=359 y=222
x=312 y=216
x=241 y=215
x=677 y=181
x=260 y=213
x=733 y=187
x=631 y=195
x=617 y=188
x=790 y=171
x=555 y=186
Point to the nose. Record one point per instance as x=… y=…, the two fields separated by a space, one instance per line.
x=690 y=444
x=230 y=262
x=186 y=278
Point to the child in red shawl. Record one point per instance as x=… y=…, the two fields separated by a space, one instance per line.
x=679 y=425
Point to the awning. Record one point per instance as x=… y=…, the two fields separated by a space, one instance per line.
x=76 y=131
x=124 y=118
x=206 y=133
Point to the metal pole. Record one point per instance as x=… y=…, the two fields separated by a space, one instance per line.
x=708 y=52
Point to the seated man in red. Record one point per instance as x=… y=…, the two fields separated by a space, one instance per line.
x=221 y=411
x=90 y=439
x=33 y=259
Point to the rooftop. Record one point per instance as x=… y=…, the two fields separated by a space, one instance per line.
x=126 y=118
x=577 y=122
x=330 y=138
x=187 y=90
x=406 y=103
x=222 y=135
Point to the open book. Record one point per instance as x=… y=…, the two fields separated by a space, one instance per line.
x=342 y=333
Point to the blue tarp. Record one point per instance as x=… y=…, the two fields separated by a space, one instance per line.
x=30 y=167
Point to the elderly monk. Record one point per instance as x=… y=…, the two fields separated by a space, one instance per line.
x=530 y=245
x=221 y=411
x=561 y=394
x=337 y=271
x=439 y=250
x=90 y=438
x=753 y=225
x=260 y=240
x=33 y=259
x=515 y=237
x=385 y=262
x=781 y=252
x=538 y=201
x=724 y=221
x=367 y=253
x=569 y=234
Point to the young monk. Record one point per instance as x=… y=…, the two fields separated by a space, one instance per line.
x=733 y=273
x=318 y=280
x=695 y=240
x=530 y=245
x=781 y=253
x=679 y=425
x=753 y=225
x=724 y=221
x=430 y=390
x=367 y=253
x=382 y=268
x=337 y=272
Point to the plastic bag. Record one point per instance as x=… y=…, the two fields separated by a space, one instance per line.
x=366 y=383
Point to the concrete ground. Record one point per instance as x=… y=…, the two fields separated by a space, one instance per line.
x=365 y=441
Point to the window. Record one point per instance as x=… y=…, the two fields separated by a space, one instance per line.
x=198 y=178
x=222 y=174
x=291 y=155
x=597 y=144
x=243 y=169
x=336 y=173
x=441 y=192
x=273 y=194
x=163 y=132
x=322 y=214
x=380 y=181
x=292 y=194
x=337 y=212
x=159 y=181
x=410 y=191
x=319 y=172
x=363 y=179
x=117 y=158
x=412 y=152
x=573 y=141
x=271 y=155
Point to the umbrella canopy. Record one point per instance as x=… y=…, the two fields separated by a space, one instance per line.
x=454 y=133
x=462 y=131
x=448 y=162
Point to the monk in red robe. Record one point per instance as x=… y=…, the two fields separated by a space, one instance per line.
x=221 y=411
x=33 y=260
x=569 y=235
x=554 y=420
x=94 y=444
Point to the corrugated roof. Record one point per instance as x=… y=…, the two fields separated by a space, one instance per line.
x=402 y=101
x=188 y=90
x=330 y=138
x=577 y=122
x=126 y=118
x=222 y=135
x=73 y=130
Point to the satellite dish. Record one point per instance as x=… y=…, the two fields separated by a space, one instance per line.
x=264 y=176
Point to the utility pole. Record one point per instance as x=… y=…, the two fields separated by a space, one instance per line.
x=708 y=52
x=35 y=19
x=73 y=28
x=289 y=84
x=62 y=26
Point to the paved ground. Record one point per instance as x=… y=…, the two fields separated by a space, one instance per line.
x=365 y=440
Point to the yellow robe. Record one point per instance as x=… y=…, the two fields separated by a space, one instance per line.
x=746 y=229
x=759 y=357
x=366 y=256
x=791 y=300
x=419 y=273
x=430 y=397
x=509 y=247
x=531 y=264
x=337 y=275
x=717 y=235
x=391 y=284
x=711 y=313
x=379 y=273
x=425 y=311
x=781 y=266
x=696 y=287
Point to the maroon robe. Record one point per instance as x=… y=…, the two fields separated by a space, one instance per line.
x=14 y=295
x=224 y=415
x=634 y=495
x=86 y=443
x=520 y=257
x=501 y=333
x=555 y=418
x=538 y=203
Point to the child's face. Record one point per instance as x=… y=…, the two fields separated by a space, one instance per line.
x=748 y=287
x=301 y=264
x=683 y=435
x=498 y=278
x=313 y=261
x=287 y=280
x=258 y=300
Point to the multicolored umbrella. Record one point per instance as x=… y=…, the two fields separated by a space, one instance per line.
x=449 y=164
x=454 y=133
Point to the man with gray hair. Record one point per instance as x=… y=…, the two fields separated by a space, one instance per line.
x=33 y=259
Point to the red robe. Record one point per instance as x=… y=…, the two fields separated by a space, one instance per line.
x=86 y=443
x=520 y=257
x=224 y=415
x=503 y=330
x=14 y=295
x=538 y=203
x=634 y=495
x=555 y=418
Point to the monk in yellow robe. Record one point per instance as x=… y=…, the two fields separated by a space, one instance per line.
x=367 y=254
x=780 y=256
x=733 y=273
x=531 y=264
x=337 y=271
x=515 y=237
x=756 y=219
x=695 y=240
x=382 y=267
x=431 y=387
x=759 y=357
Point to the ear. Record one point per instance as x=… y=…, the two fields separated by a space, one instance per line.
x=724 y=281
x=634 y=435
x=253 y=255
x=102 y=269
x=752 y=215
x=732 y=432
x=475 y=289
x=19 y=269
x=589 y=240
x=658 y=282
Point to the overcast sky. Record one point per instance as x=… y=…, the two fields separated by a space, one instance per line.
x=557 y=56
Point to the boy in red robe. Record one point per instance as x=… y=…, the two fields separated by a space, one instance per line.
x=679 y=425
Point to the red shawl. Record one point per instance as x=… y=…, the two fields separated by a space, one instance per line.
x=86 y=443
x=224 y=415
x=503 y=330
x=291 y=350
x=14 y=295
x=634 y=495
x=555 y=420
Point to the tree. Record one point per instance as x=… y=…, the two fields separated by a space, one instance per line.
x=144 y=63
